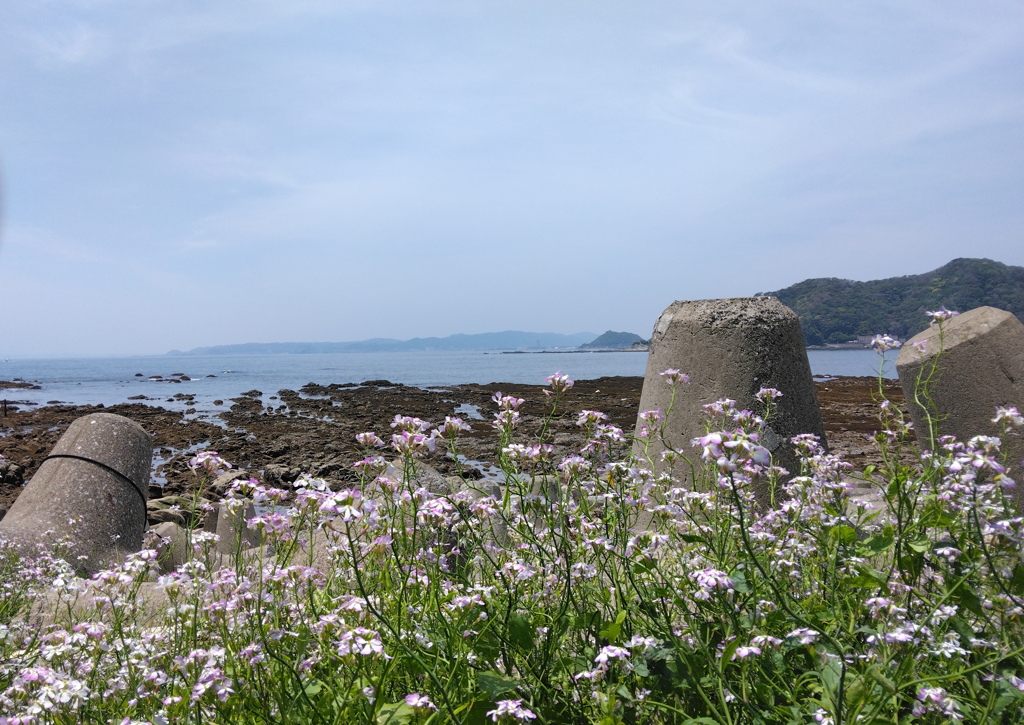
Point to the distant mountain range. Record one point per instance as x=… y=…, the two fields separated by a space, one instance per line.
x=831 y=311
x=835 y=310
x=508 y=340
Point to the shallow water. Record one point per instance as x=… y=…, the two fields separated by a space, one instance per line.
x=108 y=381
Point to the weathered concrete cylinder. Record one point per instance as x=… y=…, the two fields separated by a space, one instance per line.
x=234 y=534
x=732 y=348
x=90 y=491
x=980 y=369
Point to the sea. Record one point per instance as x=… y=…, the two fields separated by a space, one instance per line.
x=209 y=379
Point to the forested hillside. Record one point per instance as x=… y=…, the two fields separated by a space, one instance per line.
x=837 y=310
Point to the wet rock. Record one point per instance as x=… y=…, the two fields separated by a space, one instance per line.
x=280 y=475
x=222 y=484
x=20 y=384
x=329 y=467
x=191 y=510
x=159 y=516
x=11 y=473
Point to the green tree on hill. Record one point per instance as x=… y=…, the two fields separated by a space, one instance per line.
x=835 y=310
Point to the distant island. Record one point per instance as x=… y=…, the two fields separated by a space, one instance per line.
x=616 y=341
x=835 y=310
x=507 y=340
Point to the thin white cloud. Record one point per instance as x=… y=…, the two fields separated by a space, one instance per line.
x=70 y=45
x=681 y=149
x=42 y=243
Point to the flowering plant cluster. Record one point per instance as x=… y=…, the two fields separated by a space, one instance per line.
x=591 y=589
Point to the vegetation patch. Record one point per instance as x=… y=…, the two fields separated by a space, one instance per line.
x=587 y=589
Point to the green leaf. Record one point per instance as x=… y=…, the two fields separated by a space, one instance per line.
x=920 y=545
x=831 y=674
x=642 y=566
x=867 y=577
x=487 y=646
x=878 y=544
x=475 y=712
x=493 y=683
x=612 y=630
x=397 y=713
x=730 y=648
x=1017 y=581
x=520 y=631
x=878 y=676
x=739 y=581
x=962 y=628
x=861 y=582
x=855 y=690
x=966 y=597
x=844 y=534
x=313 y=688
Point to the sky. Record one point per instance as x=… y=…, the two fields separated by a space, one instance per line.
x=178 y=173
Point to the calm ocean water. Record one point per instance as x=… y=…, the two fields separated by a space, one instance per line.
x=91 y=381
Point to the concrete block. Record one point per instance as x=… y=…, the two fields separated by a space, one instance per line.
x=731 y=348
x=235 y=535
x=980 y=369
x=90 y=492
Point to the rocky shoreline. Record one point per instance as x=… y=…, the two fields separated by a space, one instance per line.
x=312 y=430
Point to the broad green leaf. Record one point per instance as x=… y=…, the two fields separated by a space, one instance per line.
x=396 y=713
x=920 y=545
x=966 y=598
x=475 y=712
x=844 y=534
x=492 y=684
x=612 y=630
x=878 y=544
x=520 y=631
x=739 y=581
x=855 y=690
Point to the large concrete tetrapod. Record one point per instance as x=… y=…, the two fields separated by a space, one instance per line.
x=90 y=491
x=732 y=348
x=981 y=368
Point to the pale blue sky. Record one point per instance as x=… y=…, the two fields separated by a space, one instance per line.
x=178 y=173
